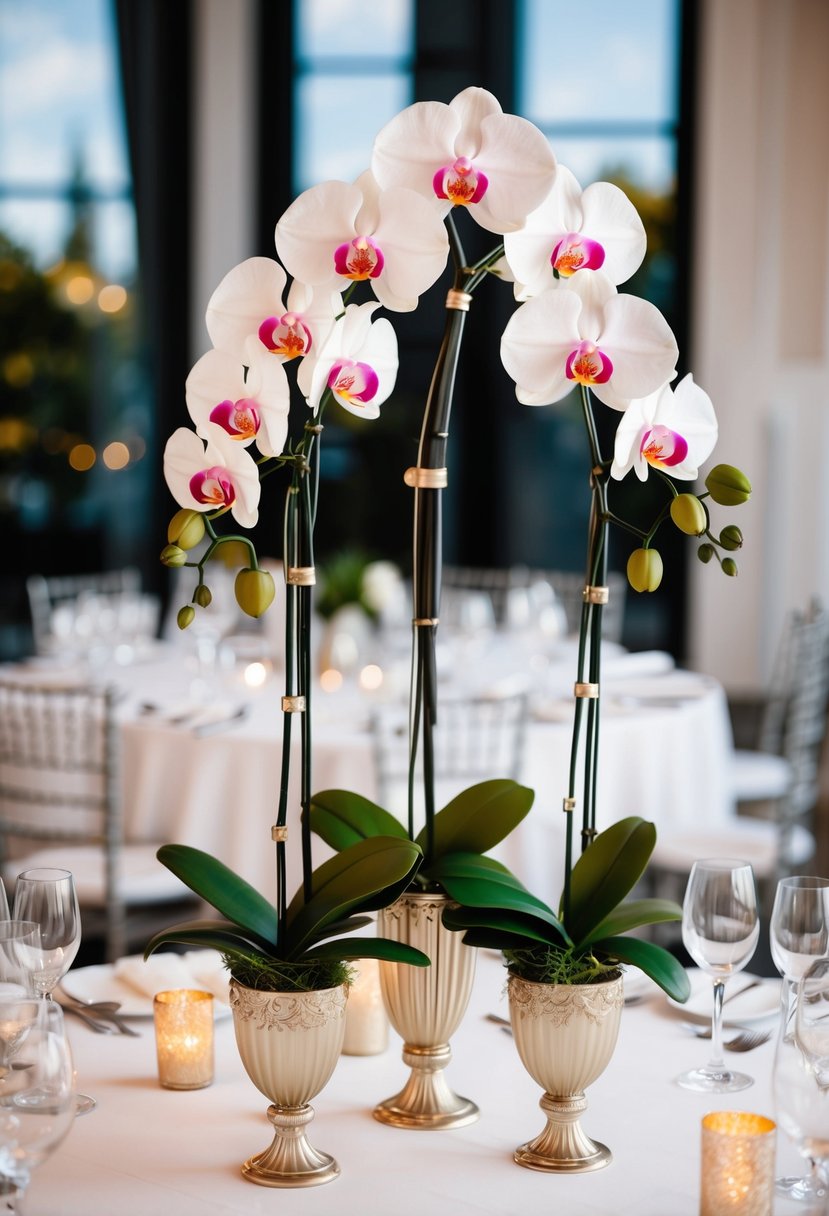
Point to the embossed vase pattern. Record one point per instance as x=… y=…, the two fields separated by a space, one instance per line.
x=425 y=1006
x=289 y=1044
x=565 y=1036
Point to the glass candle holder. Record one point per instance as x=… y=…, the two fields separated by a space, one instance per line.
x=366 y=1023
x=184 y=1038
x=737 y=1164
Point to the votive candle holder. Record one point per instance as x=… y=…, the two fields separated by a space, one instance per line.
x=184 y=1038
x=737 y=1164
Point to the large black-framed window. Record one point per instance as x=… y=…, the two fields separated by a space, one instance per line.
x=517 y=476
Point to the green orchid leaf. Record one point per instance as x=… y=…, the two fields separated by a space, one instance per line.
x=215 y=935
x=494 y=890
x=369 y=947
x=632 y=915
x=494 y=939
x=656 y=962
x=225 y=891
x=368 y=875
x=479 y=817
x=342 y=818
x=607 y=871
x=467 y=865
x=512 y=921
x=350 y=924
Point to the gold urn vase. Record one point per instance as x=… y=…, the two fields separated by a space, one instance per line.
x=425 y=1006
x=565 y=1035
x=289 y=1044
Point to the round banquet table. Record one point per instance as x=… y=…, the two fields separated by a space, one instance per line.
x=146 y=1150
x=664 y=752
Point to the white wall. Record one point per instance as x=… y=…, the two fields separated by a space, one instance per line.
x=761 y=315
x=224 y=97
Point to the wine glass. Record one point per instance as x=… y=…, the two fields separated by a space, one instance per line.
x=801 y=1079
x=798 y=934
x=48 y=897
x=19 y=956
x=18 y=1013
x=37 y=1101
x=720 y=929
x=4 y=902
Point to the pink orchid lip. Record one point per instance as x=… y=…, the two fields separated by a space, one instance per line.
x=359 y=259
x=213 y=485
x=287 y=336
x=460 y=182
x=576 y=252
x=240 y=419
x=663 y=447
x=588 y=365
x=354 y=382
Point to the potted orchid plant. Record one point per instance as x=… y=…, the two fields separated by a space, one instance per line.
x=392 y=231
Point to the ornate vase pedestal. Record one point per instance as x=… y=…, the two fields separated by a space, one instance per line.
x=425 y=1006
x=289 y=1044
x=565 y=1036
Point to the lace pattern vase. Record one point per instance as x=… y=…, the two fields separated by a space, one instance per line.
x=289 y=1044
x=565 y=1036
x=425 y=1006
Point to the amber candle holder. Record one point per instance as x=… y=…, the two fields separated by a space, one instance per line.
x=184 y=1038
x=737 y=1164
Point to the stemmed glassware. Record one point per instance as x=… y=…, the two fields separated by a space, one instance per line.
x=801 y=1080
x=48 y=897
x=19 y=956
x=37 y=1099
x=799 y=934
x=720 y=929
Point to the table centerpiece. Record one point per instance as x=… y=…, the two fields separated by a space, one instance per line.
x=393 y=230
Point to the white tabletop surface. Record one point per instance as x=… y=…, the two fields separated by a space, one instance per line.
x=147 y=1150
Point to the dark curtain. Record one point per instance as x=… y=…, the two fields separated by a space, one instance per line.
x=155 y=37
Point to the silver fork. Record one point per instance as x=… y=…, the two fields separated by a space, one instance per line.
x=743 y=1040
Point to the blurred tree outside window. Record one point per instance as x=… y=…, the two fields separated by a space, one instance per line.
x=75 y=422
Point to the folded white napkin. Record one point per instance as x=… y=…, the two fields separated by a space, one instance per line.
x=196 y=969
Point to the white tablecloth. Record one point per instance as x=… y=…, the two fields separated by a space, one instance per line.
x=147 y=1150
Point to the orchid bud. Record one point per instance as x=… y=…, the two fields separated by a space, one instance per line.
x=705 y=553
x=185 y=616
x=728 y=486
x=186 y=528
x=232 y=554
x=731 y=537
x=254 y=591
x=644 y=569
x=202 y=596
x=173 y=556
x=689 y=514
x=729 y=567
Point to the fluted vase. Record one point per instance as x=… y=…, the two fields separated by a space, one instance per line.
x=289 y=1044
x=565 y=1035
x=425 y=1006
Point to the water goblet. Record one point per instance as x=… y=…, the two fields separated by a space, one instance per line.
x=798 y=934
x=720 y=929
x=37 y=1101
x=48 y=897
x=19 y=956
x=801 y=1081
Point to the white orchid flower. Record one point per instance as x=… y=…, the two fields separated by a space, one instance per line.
x=572 y=230
x=470 y=154
x=247 y=407
x=248 y=303
x=358 y=363
x=393 y=239
x=206 y=477
x=618 y=345
x=672 y=430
